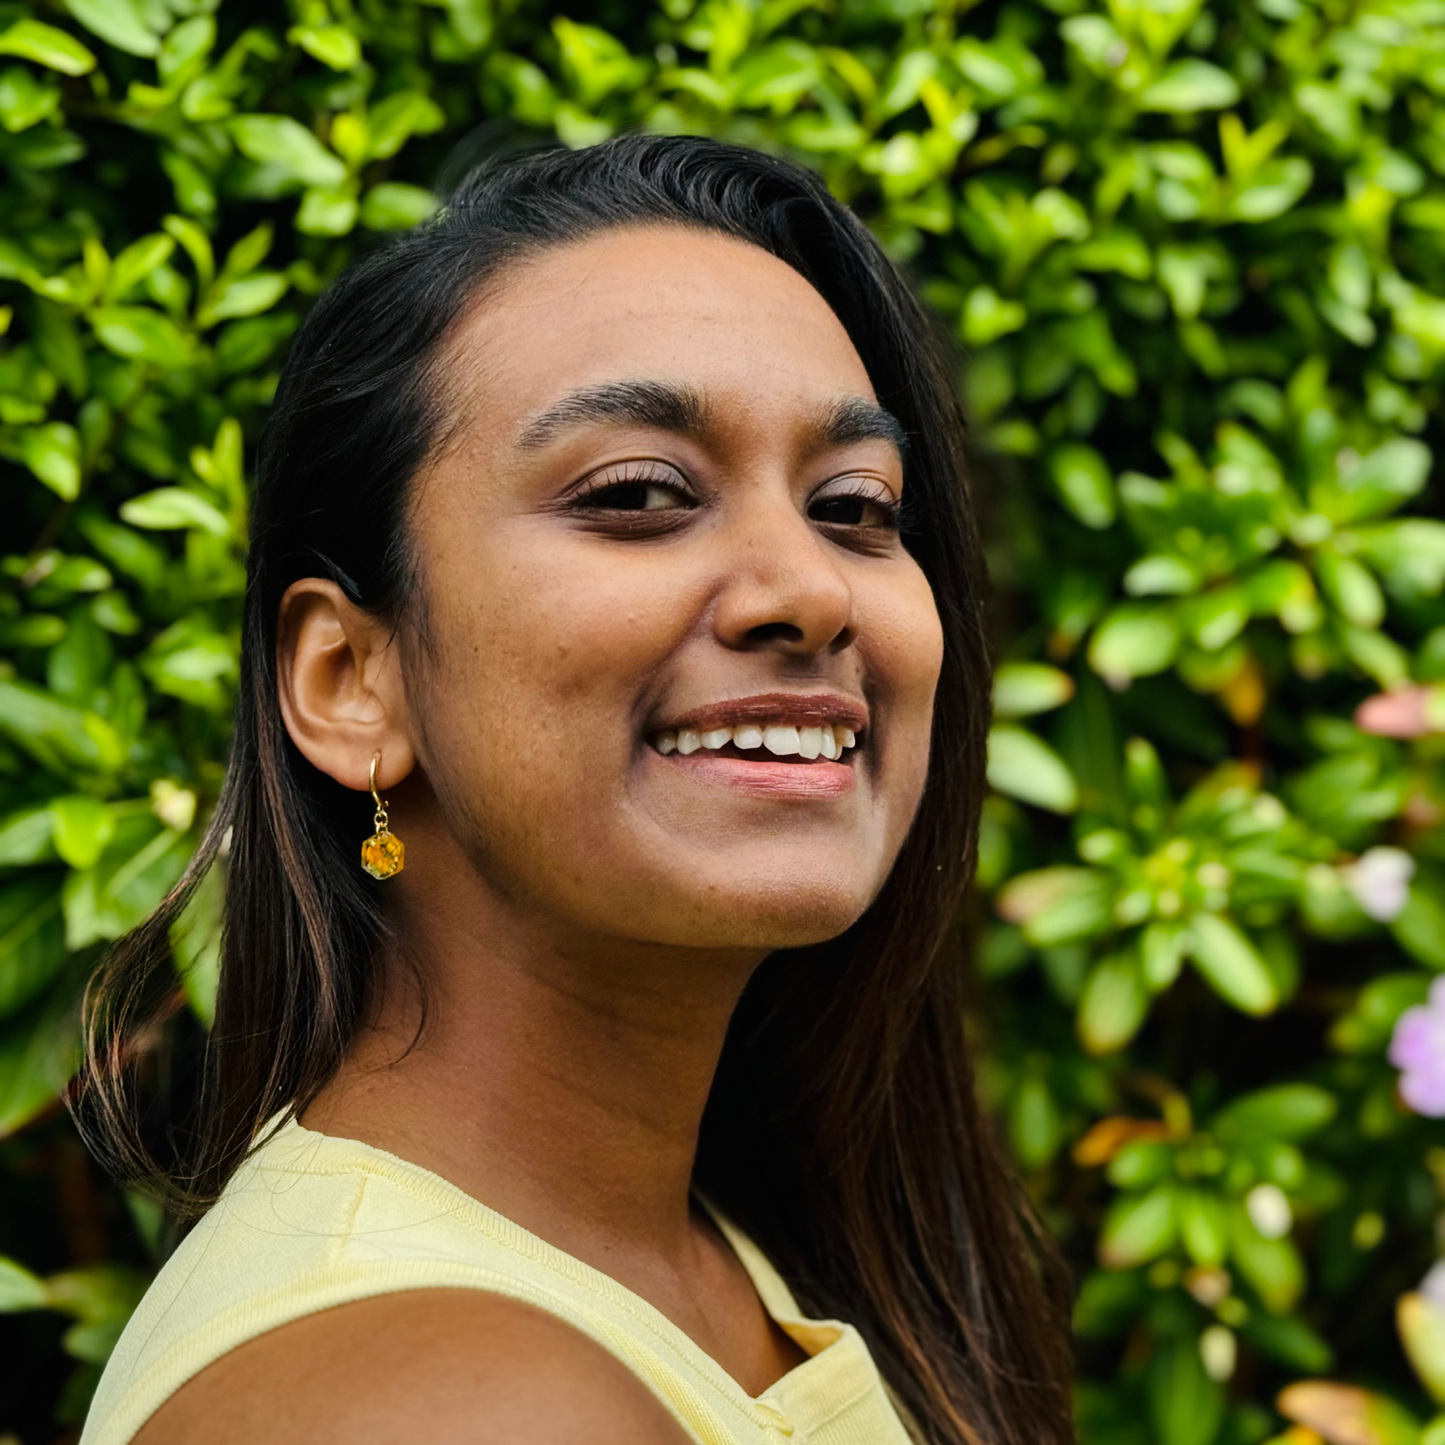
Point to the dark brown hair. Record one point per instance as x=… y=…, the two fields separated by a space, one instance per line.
x=842 y=1131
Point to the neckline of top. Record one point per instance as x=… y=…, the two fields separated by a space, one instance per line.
x=787 y=1394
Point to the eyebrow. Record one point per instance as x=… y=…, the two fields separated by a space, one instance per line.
x=657 y=404
x=669 y=407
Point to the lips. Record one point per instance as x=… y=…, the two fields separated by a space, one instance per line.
x=785 y=724
x=758 y=743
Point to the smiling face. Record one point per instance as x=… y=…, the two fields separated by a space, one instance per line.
x=683 y=672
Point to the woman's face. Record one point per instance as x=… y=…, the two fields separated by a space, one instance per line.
x=684 y=668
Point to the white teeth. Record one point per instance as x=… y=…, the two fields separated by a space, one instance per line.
x=783 y=742
x=829 y=741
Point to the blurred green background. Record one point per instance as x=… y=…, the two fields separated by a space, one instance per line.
x=1194 y=256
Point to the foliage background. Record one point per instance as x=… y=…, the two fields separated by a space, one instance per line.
x=1194 y=253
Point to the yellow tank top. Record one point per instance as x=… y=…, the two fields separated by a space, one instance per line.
x=311 y=1221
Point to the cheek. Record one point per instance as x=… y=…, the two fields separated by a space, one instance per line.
x=544 y=654
x=904 y=635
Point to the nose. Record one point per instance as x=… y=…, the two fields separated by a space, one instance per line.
x=785 y=590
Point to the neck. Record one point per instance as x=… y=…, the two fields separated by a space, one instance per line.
x=561 y=1080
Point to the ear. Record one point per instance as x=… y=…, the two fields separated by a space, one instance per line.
x=338 y=672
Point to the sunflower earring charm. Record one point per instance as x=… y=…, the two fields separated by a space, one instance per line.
x=382 y=854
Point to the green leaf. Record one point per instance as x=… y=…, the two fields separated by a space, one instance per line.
x=1161 y=576
x=82 y=827
x=25 y=99
x=26 y=837
x=1378 y=482
x=1379 y=1004
x=19 y=1289
x=1422 y=1331
x=1135 y=640
x=191 y=661
x=1419 y=927
x=1185 y=1405
x=1023 y=766
x=1059 y=905
x=56 y=734
x=48 y=46
x=1203 y=1227
x=127 y=884
x=777 y=75
x=39 y=1050
x=1215 y=618
x=92 y=1343
x=1282 y=1111
x=1288 y=1339
x=1113 y=1004
x=332 y=45
x=1138 y=1228
x=172 y=507
x=99 y=1293
x=119 y=22
x=390 y=123
x=1188 y=86
x=392 y=206
x=32 y=940
x=247 y=296
x=1108 y=1301
x=137 y=262
x=1231 y=965
x=1351 y=588
x=1084 y=483
x=52 y=452
x=1021 y=689
x=1035 y=1125
x=139 y=333
x=195 y=242
x=1141 y=1163
x=1273 y=189
x=326 y=212
x=184 y=50
x=286 y=144
x=1409 y=554
x=1162 y=948
x=987 y=316
x=1271 y=1266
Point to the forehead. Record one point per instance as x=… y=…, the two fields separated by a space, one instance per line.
x=705 y=310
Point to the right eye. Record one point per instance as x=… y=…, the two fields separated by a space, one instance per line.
x=634 y=487
x=637 y=496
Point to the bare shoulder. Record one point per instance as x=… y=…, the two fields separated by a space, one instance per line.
x=449 y=1366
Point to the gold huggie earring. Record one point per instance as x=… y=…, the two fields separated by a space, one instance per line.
x=382 y=854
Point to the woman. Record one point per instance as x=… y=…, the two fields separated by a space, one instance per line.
x=610 y=541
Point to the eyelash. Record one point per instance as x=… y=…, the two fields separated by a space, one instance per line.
x=588 y=498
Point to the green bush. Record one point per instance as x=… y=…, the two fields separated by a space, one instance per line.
x=1194 y=253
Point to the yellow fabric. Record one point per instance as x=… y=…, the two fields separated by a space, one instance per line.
x=311 y=1221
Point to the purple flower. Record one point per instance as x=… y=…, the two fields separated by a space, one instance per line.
x=1418 y=1051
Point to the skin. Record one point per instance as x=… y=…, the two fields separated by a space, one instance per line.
x=584 y=910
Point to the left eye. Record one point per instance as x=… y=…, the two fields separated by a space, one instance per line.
x=854 y=510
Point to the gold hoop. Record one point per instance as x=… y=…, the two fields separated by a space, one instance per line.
x=383 y=854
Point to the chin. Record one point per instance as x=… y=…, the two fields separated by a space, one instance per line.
x=790 y=913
